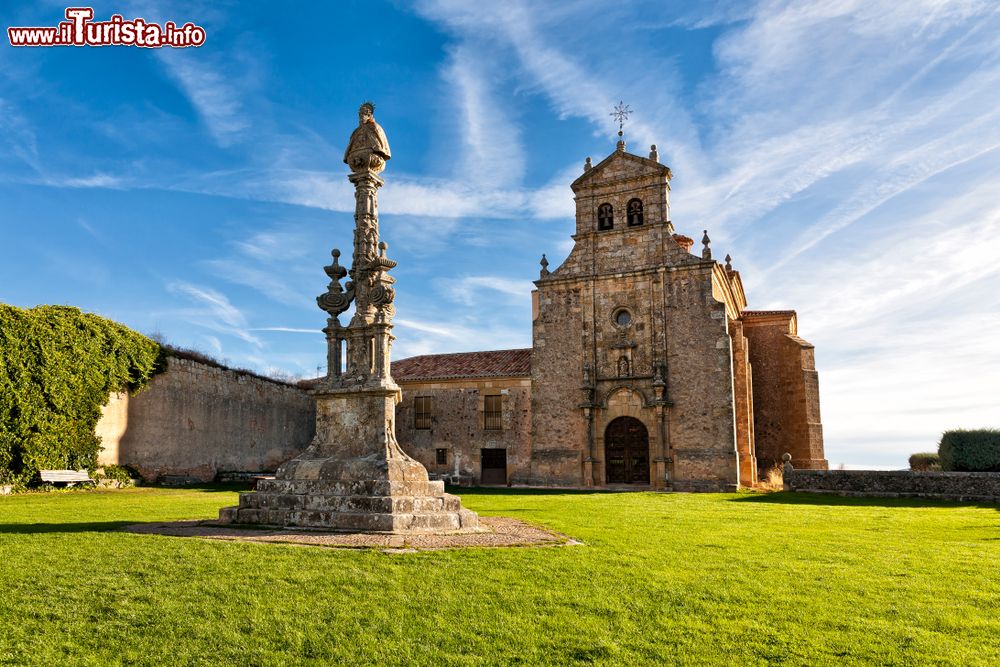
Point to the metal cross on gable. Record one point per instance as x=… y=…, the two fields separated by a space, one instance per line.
x=621 y=114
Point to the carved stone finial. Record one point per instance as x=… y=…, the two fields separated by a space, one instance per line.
x=654 y=154
x=335 y=300
x=368 y=149
x=545 y=267
x=620 y=147
x=729 y=263
x=587 y=166
x=706 y=252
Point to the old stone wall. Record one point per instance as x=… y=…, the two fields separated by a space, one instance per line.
x=457 y=426
x=785 y=392
x=742 y=389
x=700 y=384
x=558 y=355
x=196 y=420
x=981 y=486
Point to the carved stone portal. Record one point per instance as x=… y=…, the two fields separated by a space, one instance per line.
x=354 y=476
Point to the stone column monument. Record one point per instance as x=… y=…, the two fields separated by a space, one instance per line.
x=354 y=476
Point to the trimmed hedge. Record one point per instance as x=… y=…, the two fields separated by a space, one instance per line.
x=970 y=451
x=58 y=366
x=925 y=461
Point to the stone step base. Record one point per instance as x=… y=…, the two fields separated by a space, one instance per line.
x=429 y=522
x=330 y=502
x=358 y=488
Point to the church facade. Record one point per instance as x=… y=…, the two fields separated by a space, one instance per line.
x=646 y=369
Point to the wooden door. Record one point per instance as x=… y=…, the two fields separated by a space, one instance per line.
x=626 y=452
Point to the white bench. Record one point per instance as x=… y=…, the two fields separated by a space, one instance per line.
x=67 y=477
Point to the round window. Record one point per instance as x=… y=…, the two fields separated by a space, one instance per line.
x=623 y=318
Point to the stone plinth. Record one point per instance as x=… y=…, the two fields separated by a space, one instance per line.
x=354 y=476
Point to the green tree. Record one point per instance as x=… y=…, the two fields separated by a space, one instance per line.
x=58 y=366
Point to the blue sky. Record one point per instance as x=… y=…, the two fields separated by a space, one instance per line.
x=845 y=154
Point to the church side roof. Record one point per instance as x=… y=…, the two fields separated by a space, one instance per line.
x=493 y=363
x=766 y=313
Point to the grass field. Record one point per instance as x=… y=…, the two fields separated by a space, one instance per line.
x=663 y=579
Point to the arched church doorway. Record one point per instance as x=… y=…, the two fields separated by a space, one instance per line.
x=626 y=452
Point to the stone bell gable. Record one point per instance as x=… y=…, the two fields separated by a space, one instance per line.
x=623 y=217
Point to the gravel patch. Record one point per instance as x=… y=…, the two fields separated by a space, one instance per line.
x=496 y=531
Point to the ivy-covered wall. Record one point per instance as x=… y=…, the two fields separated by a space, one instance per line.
x=58 y=366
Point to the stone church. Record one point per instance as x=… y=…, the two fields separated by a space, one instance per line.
x=646 y=367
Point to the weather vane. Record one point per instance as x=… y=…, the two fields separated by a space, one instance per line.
x=621 y=114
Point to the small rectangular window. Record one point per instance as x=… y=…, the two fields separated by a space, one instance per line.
x=422 y=407
x=442 y=457
x=492 y=412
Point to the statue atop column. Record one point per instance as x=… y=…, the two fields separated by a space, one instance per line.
x=368 y=149
x=354 y=475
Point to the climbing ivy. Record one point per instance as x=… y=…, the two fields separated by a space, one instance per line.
x=58 y=366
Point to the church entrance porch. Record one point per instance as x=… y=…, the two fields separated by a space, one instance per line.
x=626 y=452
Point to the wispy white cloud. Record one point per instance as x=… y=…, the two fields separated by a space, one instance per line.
x=87 y=227
x=275 y=245
x=210 y=91
x=216 y=312
x=467 y=289
x=469 y=334
x=264 y=280
x=492 y=155
x=98 y=180
x=431 y=328
x=18 y=137
x=288 y=330
x=215 y=345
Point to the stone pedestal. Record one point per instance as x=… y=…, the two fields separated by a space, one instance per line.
x=354 y=476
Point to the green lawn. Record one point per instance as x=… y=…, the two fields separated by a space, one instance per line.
x=667 y=579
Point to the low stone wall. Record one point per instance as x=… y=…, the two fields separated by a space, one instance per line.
x=969 y=486
x=195 y=421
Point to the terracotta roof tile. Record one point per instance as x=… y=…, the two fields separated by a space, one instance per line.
x=494 y=363
x=765 y=313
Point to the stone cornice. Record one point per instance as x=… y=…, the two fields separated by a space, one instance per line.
x=696 y=265
x=788 y=318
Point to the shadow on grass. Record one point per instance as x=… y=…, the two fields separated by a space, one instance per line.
x=82 y=527
x=792 y=498
x=520 y=491
x=209 y=487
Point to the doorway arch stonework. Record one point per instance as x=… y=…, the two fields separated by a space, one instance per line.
x=623 y=401
x=626 y=452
